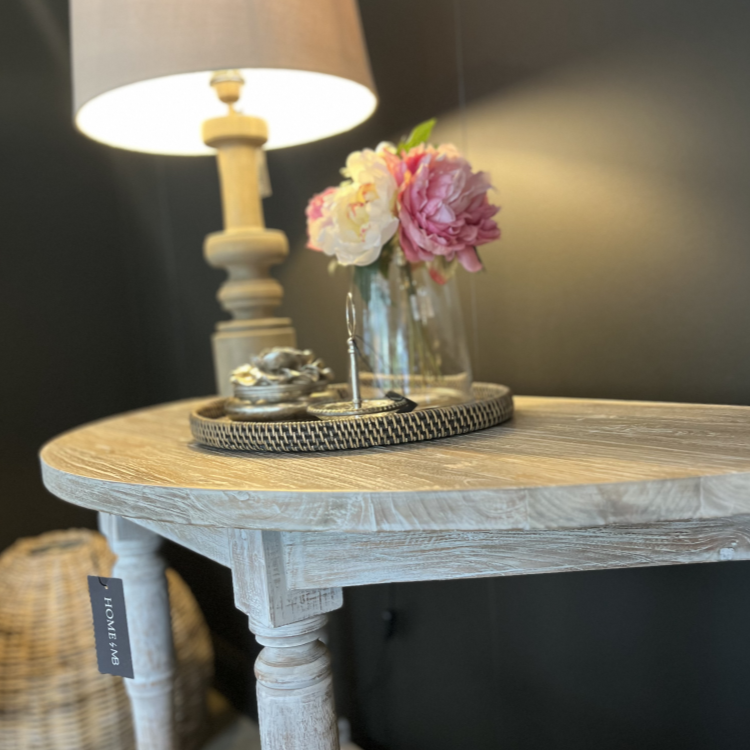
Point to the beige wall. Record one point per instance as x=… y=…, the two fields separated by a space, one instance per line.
x=624 y=176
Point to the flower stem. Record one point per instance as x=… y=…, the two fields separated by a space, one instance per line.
x=427 y=363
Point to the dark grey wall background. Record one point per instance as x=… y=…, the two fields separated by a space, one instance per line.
x=616 y=134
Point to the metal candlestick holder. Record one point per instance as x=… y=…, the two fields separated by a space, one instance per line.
x=358 y=407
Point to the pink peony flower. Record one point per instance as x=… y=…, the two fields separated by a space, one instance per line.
x=443 y=207
x=317 y=215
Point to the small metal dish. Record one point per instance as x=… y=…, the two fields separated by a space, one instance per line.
x=239 y=410
x=273 y=394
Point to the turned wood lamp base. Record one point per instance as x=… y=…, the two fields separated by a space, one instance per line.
x=246 y=249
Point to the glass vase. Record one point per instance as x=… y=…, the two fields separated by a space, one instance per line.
x=412 y=333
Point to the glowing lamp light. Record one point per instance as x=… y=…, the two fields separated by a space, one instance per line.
x=164 y=115
x=142 y=69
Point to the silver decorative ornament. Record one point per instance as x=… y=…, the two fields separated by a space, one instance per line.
x=278 y=384
x=357 y=407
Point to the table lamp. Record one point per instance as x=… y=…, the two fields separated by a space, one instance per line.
x=173 y=76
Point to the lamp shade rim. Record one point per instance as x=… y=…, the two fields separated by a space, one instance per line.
x=142 y=66
x=164 y=115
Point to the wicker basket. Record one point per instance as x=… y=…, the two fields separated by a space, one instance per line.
x=52 y=696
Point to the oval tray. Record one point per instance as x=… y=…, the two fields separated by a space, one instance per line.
x=493 y=404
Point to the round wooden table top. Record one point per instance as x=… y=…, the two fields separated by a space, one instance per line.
x=560 y=463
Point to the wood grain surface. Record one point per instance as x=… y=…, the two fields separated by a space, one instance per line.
x=312 y=560
x=561 y=463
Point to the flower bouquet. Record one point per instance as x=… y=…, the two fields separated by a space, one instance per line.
x=405 y=218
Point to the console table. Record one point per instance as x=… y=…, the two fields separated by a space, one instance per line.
x=567 y=485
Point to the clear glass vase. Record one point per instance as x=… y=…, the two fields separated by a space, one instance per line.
x=412 y=332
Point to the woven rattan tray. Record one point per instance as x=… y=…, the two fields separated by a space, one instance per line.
x=493 y=404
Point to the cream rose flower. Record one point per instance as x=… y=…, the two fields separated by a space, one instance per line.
x=355 y=220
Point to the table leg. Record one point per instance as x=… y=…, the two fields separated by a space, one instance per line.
x=142 y=571
x=295 y=689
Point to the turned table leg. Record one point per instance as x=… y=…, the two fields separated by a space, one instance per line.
x=295 y=689
x=142 y=571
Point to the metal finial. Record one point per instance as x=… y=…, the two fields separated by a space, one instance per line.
x=351 y=325
x=357 y=407
x=351 y=316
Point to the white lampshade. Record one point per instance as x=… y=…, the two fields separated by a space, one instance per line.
x=142 y=69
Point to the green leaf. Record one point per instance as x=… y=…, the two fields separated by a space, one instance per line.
x=420 y=134
x=363 y=278
x=384 y=261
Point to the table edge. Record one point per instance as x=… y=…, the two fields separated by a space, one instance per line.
x=692 y=498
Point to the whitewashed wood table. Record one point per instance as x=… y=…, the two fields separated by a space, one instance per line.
x=567 y=485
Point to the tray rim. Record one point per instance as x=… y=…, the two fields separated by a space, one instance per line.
x=503 y=398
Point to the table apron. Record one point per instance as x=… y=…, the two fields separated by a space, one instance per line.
x=208 y=541
x=314 y=560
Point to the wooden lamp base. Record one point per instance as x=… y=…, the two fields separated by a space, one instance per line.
x=246 y=249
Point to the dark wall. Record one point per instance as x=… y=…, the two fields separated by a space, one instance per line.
x=616 y=134
x=61 y=263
